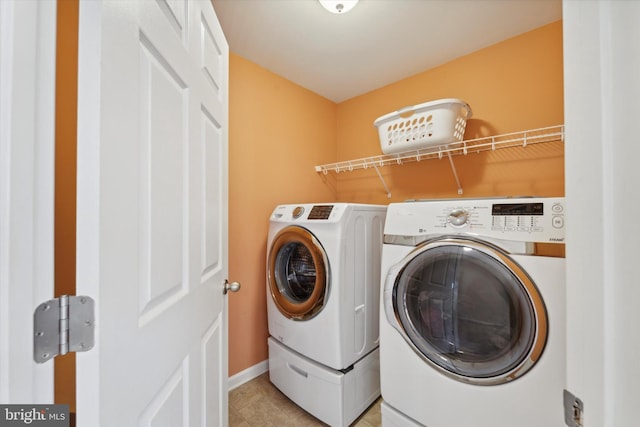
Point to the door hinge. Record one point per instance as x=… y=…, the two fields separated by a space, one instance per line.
x=63 y=325
x=573 y=410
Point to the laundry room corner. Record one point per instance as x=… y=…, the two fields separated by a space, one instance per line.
x=511 y=86
x=278 y=131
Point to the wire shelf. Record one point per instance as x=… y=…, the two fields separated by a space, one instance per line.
x=490 y=143
x=516 y=139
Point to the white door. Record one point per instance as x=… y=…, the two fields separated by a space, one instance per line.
x=152 y=213
x=27 y=99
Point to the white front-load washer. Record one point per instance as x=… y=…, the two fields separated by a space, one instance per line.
x=323 y=293
x=472 y=317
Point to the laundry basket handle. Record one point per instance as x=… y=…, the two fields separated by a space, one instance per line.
x=407 y=111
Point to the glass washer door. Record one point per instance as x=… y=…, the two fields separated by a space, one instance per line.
x=470 y=311
x=298 y=276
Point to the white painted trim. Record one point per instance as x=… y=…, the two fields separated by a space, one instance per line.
x=601 y=65
x=27 y=142
x=248 y=374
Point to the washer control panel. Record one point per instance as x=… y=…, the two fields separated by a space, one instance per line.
x=522 y=219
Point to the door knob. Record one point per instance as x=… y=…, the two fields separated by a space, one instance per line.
x=233 y=286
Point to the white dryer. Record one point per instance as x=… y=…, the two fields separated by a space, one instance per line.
x=323 y=276
x=472 y=320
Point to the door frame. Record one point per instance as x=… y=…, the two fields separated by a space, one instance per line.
x=601 y=90
x=27 y=135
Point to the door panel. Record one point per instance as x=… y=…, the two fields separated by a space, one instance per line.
x=163 y=152
x=152 y=212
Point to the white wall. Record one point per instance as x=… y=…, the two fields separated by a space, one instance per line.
x=602 y=119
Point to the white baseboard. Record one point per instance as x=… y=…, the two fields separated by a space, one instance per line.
x=248 y=374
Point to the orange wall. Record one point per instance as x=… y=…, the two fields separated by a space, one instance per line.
x=278 y=132
x=65 y=176
x=512 y=86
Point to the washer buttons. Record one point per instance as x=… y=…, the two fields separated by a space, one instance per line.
x=557 y=221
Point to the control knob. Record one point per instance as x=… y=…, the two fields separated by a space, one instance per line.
x=458 y=217
x=297 y=212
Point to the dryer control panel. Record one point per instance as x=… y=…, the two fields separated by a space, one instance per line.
x=308 y=212
x=321 y=213
x=518 y=219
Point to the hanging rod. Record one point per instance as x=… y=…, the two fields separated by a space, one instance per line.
x=516 y=139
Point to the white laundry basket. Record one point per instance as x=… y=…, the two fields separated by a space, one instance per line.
x=425 y=125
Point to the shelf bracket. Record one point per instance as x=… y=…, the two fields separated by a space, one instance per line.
x=455 y=173
x=384 y=184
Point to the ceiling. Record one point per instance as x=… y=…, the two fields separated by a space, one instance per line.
x=377 y=43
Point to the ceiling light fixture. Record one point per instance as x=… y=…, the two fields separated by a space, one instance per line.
x=339 y=6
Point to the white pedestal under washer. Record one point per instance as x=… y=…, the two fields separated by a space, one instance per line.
x=323 y=275
x=472 y=320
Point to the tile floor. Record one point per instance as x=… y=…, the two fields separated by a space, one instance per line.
x=258 y=403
